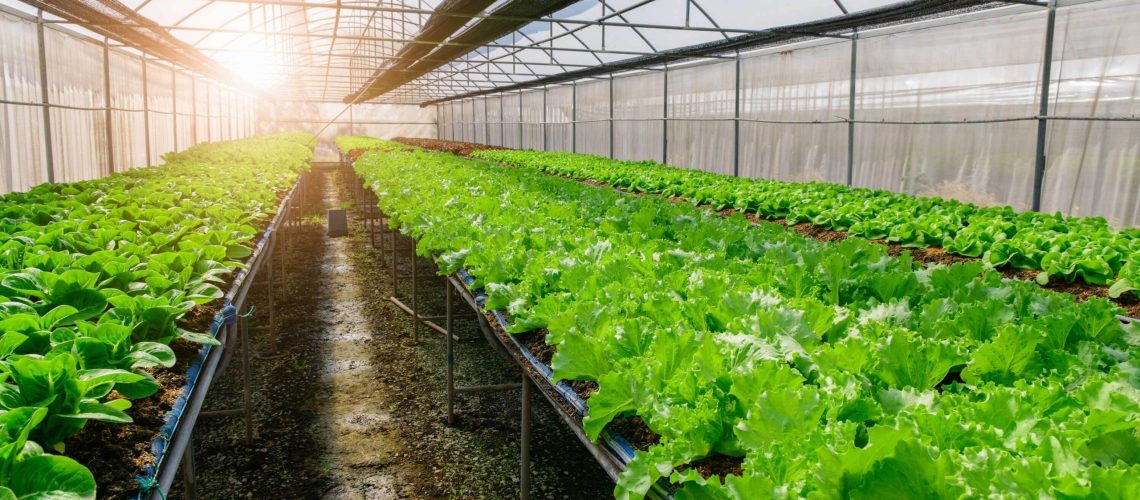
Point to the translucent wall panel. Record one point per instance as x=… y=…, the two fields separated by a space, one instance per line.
x=467 y=120
x=375 y=120
x=160 y=100
x=217 y=132
x=127 y=115
x=21 y=126
x=444 y=111
x=951 y=72
x=638 y=112
x=512 y=121
x=697 y=93
x=79 y=126
x=495 y=121
x=593 y=103
x=455 y=129
x=479 y=118
x=559 y=115
x=1094 y=166
x=184 y=100
x=532 y=109
x=201 y=110
x=781 y=94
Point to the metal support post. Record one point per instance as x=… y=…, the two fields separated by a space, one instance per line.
x=415 y=286
x=665 y=116
x=49 y=155
x=524 y=441
x=574 y=116
x=209 y=120
x=1042 y=122
x=450 y=354
x=545 y=147
x=146 y=109
x=522 y=144
x=107 y=108
x=611 y=116
x=174 y=106
x=851 y=109
x=189 y=481
x=502 y=126
x=395 y=280
x=242 y=327
x=193 y=110
x=736 y=122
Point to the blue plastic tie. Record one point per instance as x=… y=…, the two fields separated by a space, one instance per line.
x=227 y=316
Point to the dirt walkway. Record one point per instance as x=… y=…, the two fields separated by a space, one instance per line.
x=353 y=409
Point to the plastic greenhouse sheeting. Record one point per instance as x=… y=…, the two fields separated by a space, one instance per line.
x=946 y=106
x=559 y=118
x=21 y=126
x=1094 y=166
x=789 y=101
x=638 y=111
x=593 y=114
x=702 y=103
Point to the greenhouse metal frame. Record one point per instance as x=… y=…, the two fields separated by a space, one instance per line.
x=1031 y=104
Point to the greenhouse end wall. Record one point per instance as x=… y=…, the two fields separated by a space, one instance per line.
x=108 y=109
x=945 y=107
x=329 y=120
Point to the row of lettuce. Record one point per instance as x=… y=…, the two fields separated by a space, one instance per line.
x=831 y=370
x=1065 y=248
x=94 y=277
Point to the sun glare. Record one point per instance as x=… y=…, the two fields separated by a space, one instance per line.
x=260 y=69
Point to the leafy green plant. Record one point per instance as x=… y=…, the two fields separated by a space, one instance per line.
x=826 y=370
x=95 y=276
x=1068 y=248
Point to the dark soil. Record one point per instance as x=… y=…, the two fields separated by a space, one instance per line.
x=355 y=408
x=453 y=147
x=117 y=454
x=634 y=430
x=716 y=465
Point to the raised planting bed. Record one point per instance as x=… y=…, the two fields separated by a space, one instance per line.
x=104 y=284
x=763 y=361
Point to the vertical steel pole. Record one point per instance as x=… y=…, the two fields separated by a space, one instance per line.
x=521 y=142
x=611 y=115
x=146 y=109
x=242 y=328
x=193 y=110
x=450 y=354
x=415 y=290
x=502 y=125
x=574 y=116
x=45 y=100
x=524 y=441
x=174 y=105
x=665 y=117
x=209 y=120
x=1042 y=121
x=395 y=279
x=736 y=122
x=851 y=109
x=545 y=146
x=486 y=124
x=107 y=107
x=189 y=482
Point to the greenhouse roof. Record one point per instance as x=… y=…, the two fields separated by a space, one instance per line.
x=425 y=51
